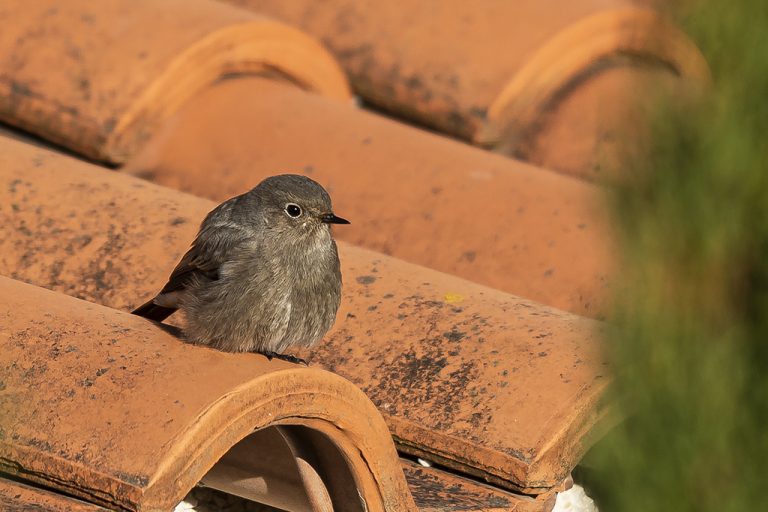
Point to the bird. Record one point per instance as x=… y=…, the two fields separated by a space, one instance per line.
x=263 y=273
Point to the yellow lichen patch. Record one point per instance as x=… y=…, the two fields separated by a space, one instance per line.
x=453 y=298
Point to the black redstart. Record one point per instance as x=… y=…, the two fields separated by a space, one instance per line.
x=263 y=273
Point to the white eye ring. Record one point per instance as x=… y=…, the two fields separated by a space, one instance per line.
x=293 y=210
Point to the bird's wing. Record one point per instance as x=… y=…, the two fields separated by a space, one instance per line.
x=212 y=248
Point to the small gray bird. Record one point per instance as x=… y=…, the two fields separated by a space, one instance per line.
x=263 y=273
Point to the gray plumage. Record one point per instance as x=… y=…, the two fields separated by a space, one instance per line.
x=263 y=273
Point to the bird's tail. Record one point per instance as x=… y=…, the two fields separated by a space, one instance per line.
x=153 y=311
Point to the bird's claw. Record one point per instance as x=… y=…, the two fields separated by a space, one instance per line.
x=285 y=357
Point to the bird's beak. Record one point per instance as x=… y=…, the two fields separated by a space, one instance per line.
x=330 y=218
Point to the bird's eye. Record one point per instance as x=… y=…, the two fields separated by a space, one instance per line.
x=293 y=210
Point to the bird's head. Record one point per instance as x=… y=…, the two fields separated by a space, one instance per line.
x=296 y=207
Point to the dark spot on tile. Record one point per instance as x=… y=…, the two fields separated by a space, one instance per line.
x=146 y=174
x=109 y=125
x=43 y=445
x=20 y=89
x=469 y=256
x=178 y=220
x=456 y=122
x=549 y=272
x=454 y=335
x=477 y=112
x=366 y=280
x=414 y=82
x=13 y=184
x=135 y=480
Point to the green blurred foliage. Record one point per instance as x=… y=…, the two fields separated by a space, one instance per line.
x=690 y=338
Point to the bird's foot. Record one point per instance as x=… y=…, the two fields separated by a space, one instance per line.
x=285 y=357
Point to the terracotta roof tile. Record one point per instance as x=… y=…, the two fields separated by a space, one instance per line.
x=151 y=57
x=437 y=491
x=411 y=194
x=131 y=395
x=15 y=496
x=105 y=405
x=495 y=72
x=473 y=378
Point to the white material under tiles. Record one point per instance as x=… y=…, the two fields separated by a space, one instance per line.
x=201 y=499
x=574 y=500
